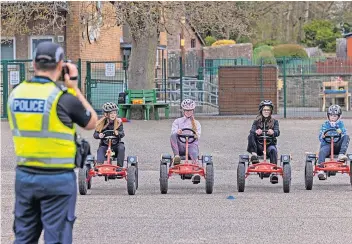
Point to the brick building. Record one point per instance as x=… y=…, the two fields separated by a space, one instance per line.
x=83 y=41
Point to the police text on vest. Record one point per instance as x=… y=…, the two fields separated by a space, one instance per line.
x=28 y=105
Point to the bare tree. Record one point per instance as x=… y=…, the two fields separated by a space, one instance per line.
x=147 y=19
x=32 y=18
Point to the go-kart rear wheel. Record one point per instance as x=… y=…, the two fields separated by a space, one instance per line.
x=164 y=179
x=131 y=180
x=308 y=175
x=209 y=178
x=82 y=180
x=286 y=177
x=241 y=177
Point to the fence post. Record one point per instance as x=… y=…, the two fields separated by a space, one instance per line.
x=284 y=74
x=303 y=88
x=79 y=66
x=5 y=88
x=22 y=72
x=164 y=77
x=125 y=67
x=88 y=83
x=181 y=81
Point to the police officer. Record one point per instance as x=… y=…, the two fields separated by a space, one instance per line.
x=42 y=114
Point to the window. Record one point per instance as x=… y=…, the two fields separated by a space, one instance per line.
x=8 y=48
x=193 y=43
x=35 y=40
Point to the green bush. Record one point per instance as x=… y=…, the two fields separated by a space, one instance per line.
x=266 y=56
x=209 y=40
x=260 y=49
x=289 y=50
x=322 y=34
x=267 y=43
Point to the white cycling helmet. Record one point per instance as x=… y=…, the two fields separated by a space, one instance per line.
x=334 y=110
x=109 y=107
x=188 y=104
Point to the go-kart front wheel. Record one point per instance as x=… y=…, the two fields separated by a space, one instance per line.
x=164 y=179
x=131 y=180
x=241 y=177
x=209 y=178
x=308 y=175
x=286 y=177
x=83 y=183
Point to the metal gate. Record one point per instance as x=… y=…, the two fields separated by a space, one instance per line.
x=104 y=81
x=13 y=72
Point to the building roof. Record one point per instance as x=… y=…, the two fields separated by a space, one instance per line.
x=126 y=45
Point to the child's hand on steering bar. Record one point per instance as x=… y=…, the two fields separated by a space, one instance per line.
x=179 y=131
x=101 y=135
x=259 y=132
x=339 y=131
x=270 y=132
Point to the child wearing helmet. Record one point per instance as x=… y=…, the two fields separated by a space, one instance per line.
x=264 y=119
x=187 y=121
x=333 y=122
x=110 y=121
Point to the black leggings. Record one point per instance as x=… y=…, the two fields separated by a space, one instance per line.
x=119 y=150
x=255 y=146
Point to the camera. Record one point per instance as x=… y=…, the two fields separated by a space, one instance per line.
x=65 y=70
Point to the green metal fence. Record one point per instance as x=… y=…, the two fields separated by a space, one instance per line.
x=104 y=81
x=14 y=72
x=299 y=82
x=301 y=79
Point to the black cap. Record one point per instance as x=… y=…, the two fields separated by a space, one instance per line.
x=48 y=52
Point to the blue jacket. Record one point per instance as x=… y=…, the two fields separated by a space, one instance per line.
x=326 y=125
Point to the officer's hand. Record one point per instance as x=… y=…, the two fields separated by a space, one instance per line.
x=73 y=72
x=101 y=135
x=339 y=131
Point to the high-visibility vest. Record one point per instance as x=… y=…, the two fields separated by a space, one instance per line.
x=41 y=139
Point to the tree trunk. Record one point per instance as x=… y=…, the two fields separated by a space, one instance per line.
x=288 y=22
x=303 y=21
x=306 y=13
x=141 y=68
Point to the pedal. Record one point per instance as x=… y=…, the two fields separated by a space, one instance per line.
x=196 y=179
x=274 y=179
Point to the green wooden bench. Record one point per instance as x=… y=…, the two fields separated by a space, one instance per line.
x=149 y=101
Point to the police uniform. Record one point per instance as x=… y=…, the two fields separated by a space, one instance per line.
x=42 y=115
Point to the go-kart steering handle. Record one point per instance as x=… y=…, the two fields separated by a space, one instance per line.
x=327 y=138
x=109 y=134
x=191 y=137
x=265 y=136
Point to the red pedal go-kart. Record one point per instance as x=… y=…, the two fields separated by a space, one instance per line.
x=330 y=167
x=203 y=167
x=263 y=168
x=91 y=169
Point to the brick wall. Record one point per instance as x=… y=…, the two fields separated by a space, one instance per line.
x=173 y=40
x=241 y=89
x=23 y=42
x=106 y=47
